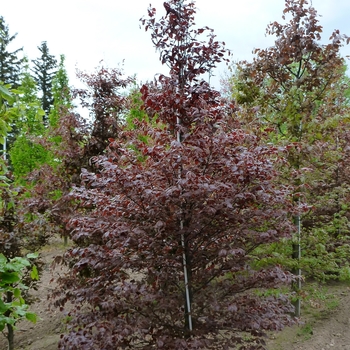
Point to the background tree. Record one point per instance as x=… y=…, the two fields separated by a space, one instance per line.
x=61 y=93
x=7 y=115
x=71 y=141
x=16 y=272
x=25 y=153
x=295 y=93
x=43 y=72
x=10 y=64
x=106 y=105
x=201 y=206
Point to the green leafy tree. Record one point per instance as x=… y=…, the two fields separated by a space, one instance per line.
x=31 y=149
x=30 y=113
x=13 y=306
x=43 y=72
x=136 y=112
x=61 y=93
x=7 y=115
x=26 y=153
x=16 y=272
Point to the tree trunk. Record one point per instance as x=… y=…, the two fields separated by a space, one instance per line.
x=187 y=277
x=10 y=332
x=296 y=254
x=10 y=337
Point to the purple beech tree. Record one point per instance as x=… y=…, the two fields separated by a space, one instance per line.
x=296 y=92
x=106 y=105
x=189 y=194
x=72 y=141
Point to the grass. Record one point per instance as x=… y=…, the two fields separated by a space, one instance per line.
x=319 y=302
x=305 y=331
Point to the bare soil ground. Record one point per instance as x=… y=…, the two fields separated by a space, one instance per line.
x=45 y=334
x=325 y=322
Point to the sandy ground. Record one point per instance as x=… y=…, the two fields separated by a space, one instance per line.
x=321 y=327
x=46 y=332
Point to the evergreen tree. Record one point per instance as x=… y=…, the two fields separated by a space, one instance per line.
x=61 y=93
x=10 y=64
x=44 y=71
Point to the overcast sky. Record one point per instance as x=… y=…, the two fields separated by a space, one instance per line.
x=88 y=31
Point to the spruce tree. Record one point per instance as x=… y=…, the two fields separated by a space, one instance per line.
x=10 y=63
x=44 y=70
x=10 y=66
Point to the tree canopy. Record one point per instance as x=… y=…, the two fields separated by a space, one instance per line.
x=183 y=193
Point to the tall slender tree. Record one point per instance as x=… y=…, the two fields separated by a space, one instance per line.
x=295 y=93
x=191 y=196
x=105 y=103
x=61 y=93
x=43 y=72
x=10 y=66
x=10 y=63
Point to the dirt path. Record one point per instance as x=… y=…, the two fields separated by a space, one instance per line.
x=323 y=326
x=43 y=335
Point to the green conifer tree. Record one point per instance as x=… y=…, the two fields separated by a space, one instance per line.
x=43 y=72
x=10 y=64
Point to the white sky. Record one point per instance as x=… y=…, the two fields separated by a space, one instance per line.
x=88 y=31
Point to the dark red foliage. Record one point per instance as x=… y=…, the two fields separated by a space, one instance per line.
x=44 y=208
x=106 y=103
x=11 y=242
x=73 y=142
x=179 y=43
x=298 y=89
x=129 y=267
x=159 y=204
x=170 y=10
